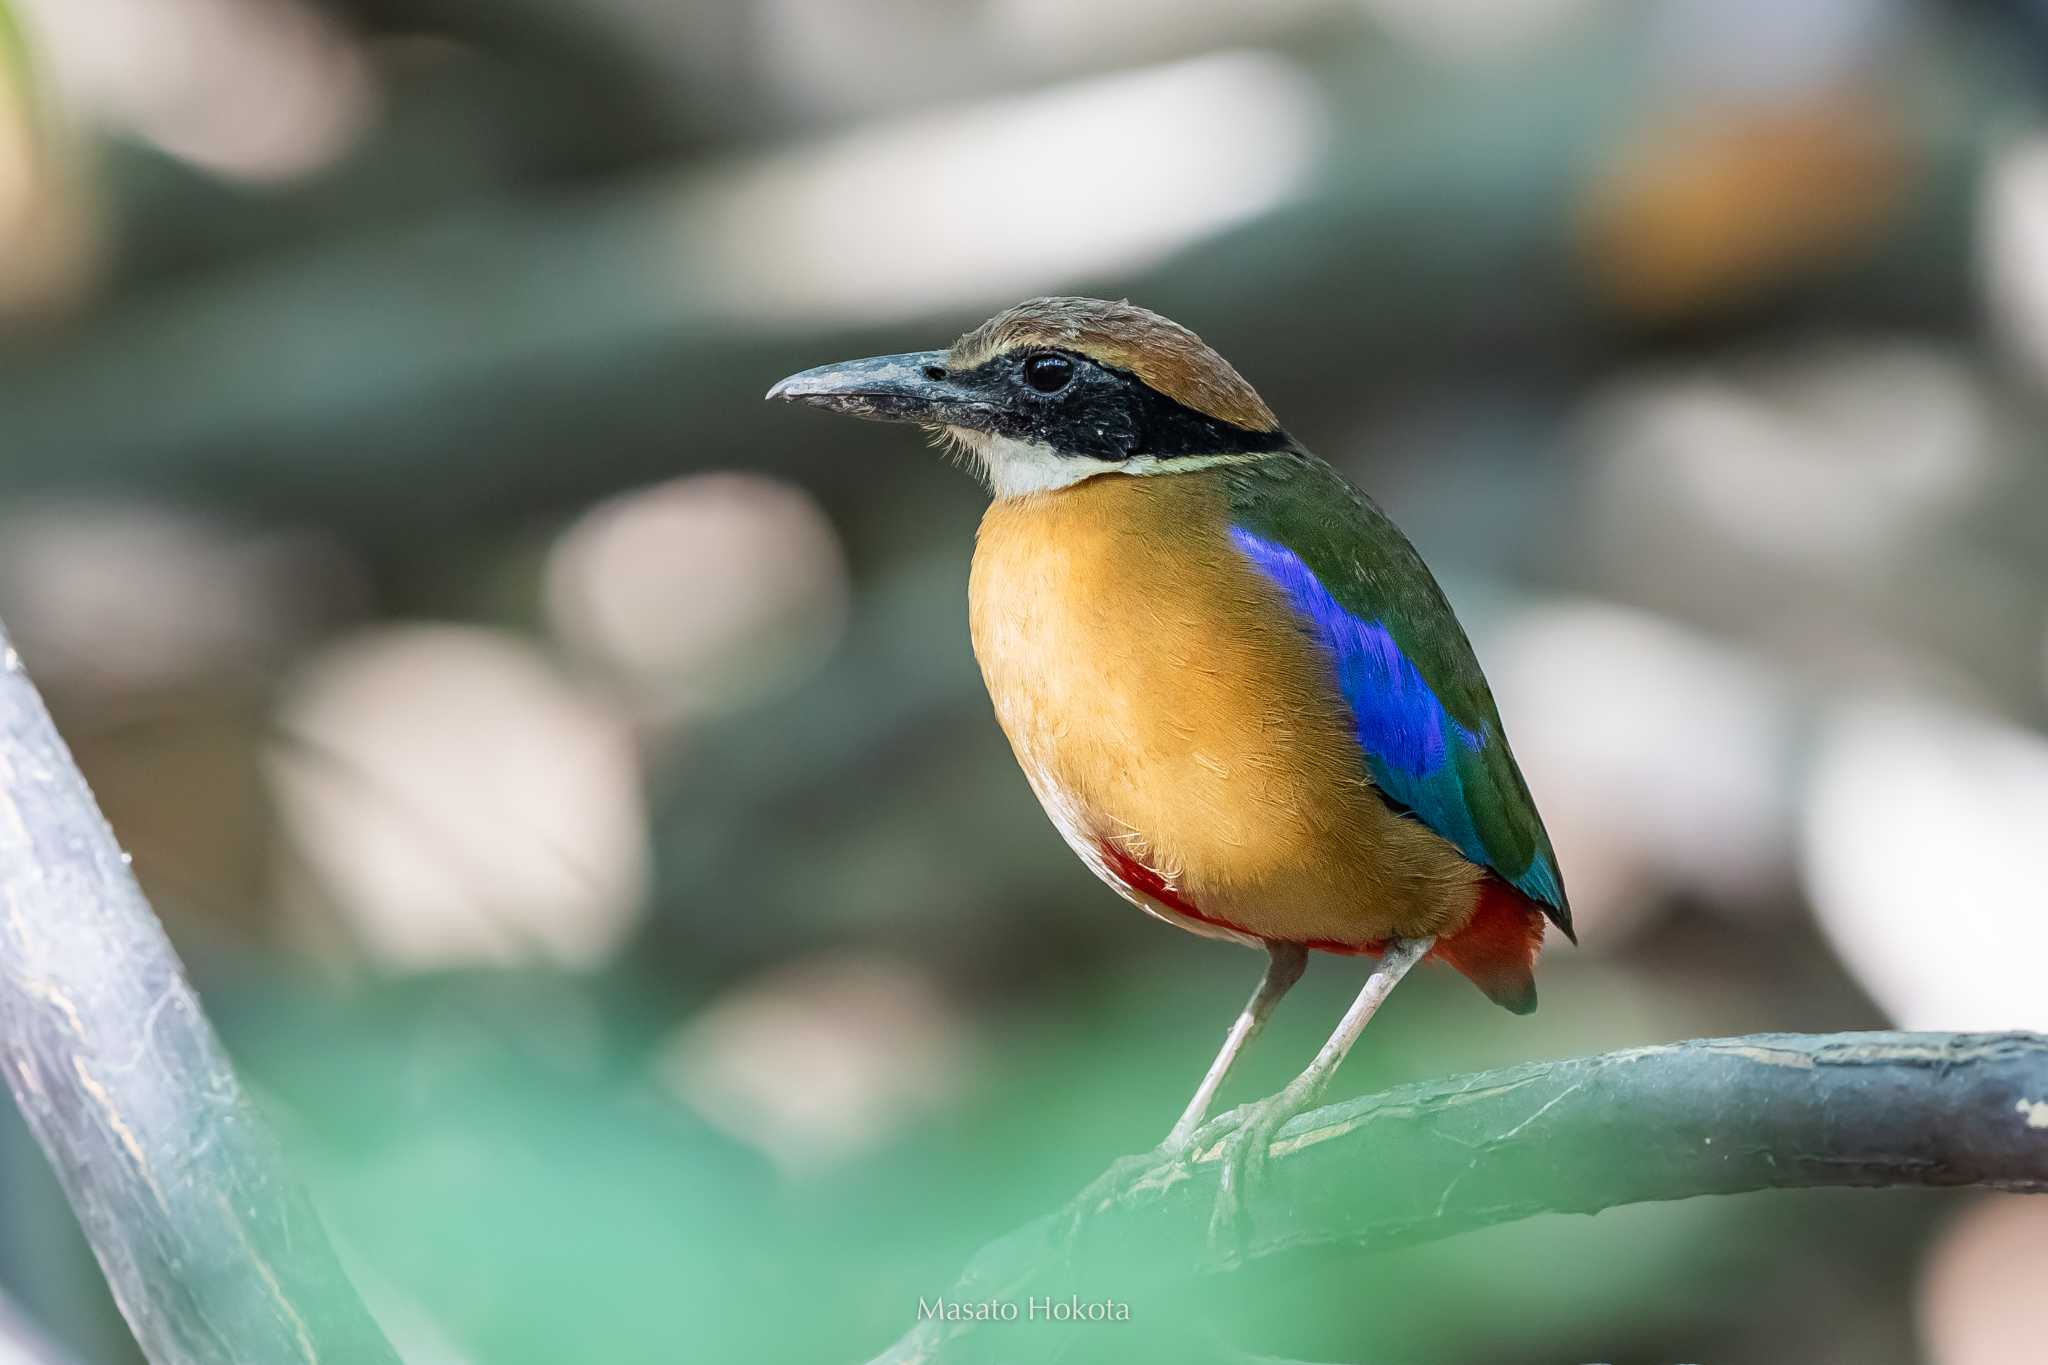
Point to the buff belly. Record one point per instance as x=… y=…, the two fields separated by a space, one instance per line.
x=1182 y=731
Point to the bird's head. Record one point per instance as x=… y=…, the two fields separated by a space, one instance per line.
x=1057 y=390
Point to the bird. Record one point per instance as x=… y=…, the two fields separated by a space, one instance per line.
x=1231 y=681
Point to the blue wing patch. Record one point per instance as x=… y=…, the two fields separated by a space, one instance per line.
x=1410 y=741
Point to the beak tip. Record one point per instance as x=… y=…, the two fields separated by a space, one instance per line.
x=885 y=388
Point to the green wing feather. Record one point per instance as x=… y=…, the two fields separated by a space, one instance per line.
x=1425 y=719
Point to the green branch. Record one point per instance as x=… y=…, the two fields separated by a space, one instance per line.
x=1427 y=1161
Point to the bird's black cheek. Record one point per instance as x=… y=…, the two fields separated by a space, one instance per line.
x=1098 y=426
x=1010 y=422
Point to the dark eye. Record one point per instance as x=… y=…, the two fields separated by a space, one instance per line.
x=1048 y=373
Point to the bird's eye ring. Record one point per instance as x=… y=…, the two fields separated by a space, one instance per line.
x=1048 y=372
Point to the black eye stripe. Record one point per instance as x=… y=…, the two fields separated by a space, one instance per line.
x=1103 y=413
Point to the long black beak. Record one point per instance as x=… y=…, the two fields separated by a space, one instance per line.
x=914 y=387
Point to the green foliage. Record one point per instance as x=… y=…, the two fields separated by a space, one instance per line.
x=14 y=57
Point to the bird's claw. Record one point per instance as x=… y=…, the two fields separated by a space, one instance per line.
x=1241 y=1166
x=1121 y=1173
x=1242 y=1155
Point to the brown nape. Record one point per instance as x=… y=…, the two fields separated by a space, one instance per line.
x=1162 y=353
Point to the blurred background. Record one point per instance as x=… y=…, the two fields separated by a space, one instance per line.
x=567 y=778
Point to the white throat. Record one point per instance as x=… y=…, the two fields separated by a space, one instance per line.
x=1014 y=469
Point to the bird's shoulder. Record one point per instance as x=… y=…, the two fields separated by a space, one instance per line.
x=1300 y=503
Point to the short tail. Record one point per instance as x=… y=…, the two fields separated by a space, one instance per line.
x=1497 y=948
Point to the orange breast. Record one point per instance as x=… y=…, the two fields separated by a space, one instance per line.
x=1162 y=701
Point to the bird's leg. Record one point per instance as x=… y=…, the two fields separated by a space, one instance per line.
x=1285 y=963
x=1246 y=1148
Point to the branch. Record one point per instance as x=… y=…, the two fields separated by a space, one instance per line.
x=1427 y=1161
x=214 y=1254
